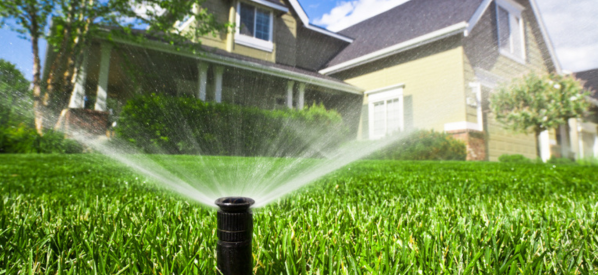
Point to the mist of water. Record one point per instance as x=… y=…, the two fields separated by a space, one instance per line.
x=265 y=179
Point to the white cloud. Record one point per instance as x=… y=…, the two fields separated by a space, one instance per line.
x=348 y=13
x=572 y=29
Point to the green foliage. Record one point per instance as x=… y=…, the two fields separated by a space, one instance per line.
x=516 y=158
x=15 y=99
x=25 y=140
x=179 y=125
x=84 y=214
x=424 y=145
x=533 y=103
x=561 y=161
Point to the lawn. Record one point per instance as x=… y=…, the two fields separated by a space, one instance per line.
x=83 y=214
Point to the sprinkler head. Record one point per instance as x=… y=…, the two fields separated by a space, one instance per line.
x=235 y=230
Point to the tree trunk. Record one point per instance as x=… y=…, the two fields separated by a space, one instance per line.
x=38 y=107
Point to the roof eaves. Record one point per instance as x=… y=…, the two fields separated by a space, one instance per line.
x=247 y=65
x=477 y=15
x=275 y=6
x=460 y=27
x=305 y=20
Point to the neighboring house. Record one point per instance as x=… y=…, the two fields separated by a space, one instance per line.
x=426 y=64
x=584 y=135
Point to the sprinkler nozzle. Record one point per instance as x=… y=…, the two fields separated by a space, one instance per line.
x=235 y=230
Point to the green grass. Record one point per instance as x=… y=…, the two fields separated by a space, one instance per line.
x=82 y=214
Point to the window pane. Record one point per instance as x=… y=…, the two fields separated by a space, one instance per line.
x=379 y=119
x=262 y=25
x=504 y=31
x=516 y=36
x=247 y=19
x=393 y=118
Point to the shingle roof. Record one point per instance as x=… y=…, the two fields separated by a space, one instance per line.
x=591 y=80
x=402 y=23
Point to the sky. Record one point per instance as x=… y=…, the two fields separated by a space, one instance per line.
x=571 y=25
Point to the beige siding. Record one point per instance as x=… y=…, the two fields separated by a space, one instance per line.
x=481 y=52
x=433 y=78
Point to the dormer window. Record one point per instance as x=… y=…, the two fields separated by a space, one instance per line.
x=511 y=41
x=254 y=27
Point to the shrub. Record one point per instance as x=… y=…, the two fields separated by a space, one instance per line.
x=516 y=158
x=179 y=125
x=424 y=145
x=562 y=161
x=25 y=140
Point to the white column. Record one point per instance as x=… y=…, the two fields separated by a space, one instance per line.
x=290 y=94
x=301 y=96
x=580 y=139
x=102 y=92
x=78 y=93
x=544 y=146
x=218 y=71
x=202 y=68
x=565 y=151
x=596 y=145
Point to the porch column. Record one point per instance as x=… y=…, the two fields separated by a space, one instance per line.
x=565 y=150
x=580 y=139
x=301 y=97
x=218 y=71
x=544 y=146
x=102 y=92
x=290 y=93
x=78 y=93
x=202 y=68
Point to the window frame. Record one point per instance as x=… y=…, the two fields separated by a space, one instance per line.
x=252 y=41
x=384 y=95
x=514 y=11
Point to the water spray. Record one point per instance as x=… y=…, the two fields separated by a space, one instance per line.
x=235 y=230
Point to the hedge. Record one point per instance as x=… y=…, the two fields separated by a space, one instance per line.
x=424 y=145
x=182 y=125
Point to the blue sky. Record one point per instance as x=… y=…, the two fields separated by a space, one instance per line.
x=571 y=25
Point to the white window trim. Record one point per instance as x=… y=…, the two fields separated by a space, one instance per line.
x=251 y=41
x=476 y=88
x=384 y=94
x=514 y=10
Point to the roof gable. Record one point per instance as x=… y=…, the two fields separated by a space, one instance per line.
x=413 y=24
x=403 y=23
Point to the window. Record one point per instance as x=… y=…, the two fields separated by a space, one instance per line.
x=385 y=111
x=510 y=30
x=255 y=27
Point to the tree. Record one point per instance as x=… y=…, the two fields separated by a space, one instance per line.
x=533 y=103
x=15 y=100
x=75 y=21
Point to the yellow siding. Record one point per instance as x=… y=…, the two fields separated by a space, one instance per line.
x=220 y=9
x=481 y=52
x=433 y=78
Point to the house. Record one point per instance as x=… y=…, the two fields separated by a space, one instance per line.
x=584 y=134
x=426 y=64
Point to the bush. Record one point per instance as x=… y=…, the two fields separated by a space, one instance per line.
x=179 y=125
x=516 y=158
x=424 y=145
x=561 y=161
x=25 y=140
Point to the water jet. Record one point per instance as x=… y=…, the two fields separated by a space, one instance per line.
x=235 y=230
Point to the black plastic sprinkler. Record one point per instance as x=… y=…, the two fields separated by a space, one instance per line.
x=235 y=229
